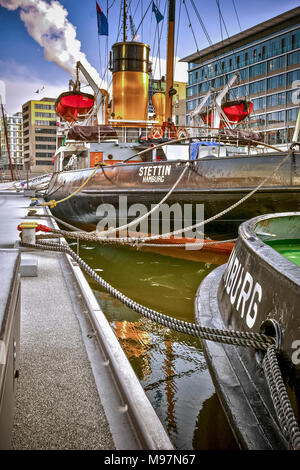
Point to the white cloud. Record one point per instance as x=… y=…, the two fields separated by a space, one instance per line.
x=21 y=86
x=48 y=24
x=180 y=69
x=20 y=91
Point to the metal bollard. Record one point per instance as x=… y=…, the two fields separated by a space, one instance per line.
x=28 y=231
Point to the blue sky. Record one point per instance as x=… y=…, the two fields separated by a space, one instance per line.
x=24 y=68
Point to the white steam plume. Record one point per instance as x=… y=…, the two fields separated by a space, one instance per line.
x=47 y=23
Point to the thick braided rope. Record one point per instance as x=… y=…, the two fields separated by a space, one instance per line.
x=116 y=241
x=256 y=340
x=283 y=408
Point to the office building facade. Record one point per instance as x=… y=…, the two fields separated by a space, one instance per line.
x=15 y=141
x=267 y=61
x=39 y=134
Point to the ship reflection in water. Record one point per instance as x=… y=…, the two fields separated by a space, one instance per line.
x=170 y=365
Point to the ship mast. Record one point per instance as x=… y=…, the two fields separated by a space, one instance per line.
x=170 y=60
x=125 y=21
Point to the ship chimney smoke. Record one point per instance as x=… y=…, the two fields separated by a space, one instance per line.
x=47 y=23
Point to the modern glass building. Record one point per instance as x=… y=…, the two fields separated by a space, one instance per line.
x=267 y=59
x=39 y=134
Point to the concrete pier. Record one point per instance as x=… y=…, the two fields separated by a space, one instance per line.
x=76 y=388
x=58 y=405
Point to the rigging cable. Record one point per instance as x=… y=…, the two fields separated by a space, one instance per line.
x=237 y=16
x=190 y=25
x=201 y=23
x=221 y=17
x=159 y=34
x=143 y=17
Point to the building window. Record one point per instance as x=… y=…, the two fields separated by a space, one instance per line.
x=294 y=58
x=293 y=76
x=190 y=105
x=276 y=82
x=194 y=90
x=274 y=118
x=45 y=131
x=257 y=87
x=259 y=103
x=278 y=136
x=45 y=147
x=46 y=162
x=45 y=139
x=257 y=70
x=257 y=121
x=49 y=115
x=45 y=123
x=44 y=106
x=291 y=114
x=276 y=64
x=276 y=100
x=293 y=96
x=44 y=155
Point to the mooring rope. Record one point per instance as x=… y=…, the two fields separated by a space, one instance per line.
x=283 y=408
x=256 y=340
x=282 y=404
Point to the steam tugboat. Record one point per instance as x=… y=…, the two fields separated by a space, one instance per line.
x=258 y=290
x=221 y=168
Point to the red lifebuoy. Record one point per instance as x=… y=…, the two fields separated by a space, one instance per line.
x=182 y=133
x=156 y=133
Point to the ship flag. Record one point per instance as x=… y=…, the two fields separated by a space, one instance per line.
x=157 y=13
x=102 y=22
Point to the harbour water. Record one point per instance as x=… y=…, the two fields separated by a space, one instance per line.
x=170 y=366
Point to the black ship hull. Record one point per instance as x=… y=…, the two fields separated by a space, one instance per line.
x=217 y=183
x=273 y=288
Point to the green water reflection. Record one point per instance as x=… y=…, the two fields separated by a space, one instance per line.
x=170 y=365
